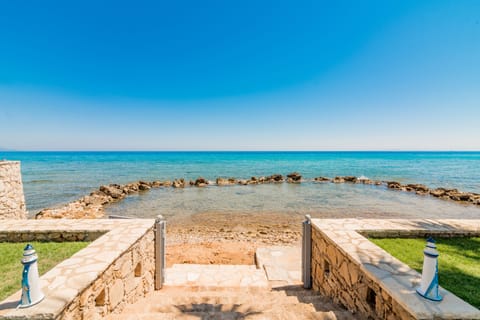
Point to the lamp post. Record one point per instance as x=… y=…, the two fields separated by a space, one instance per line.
x=429 y=284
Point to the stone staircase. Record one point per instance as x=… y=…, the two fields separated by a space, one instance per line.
x=229 y=292
x=233 y=303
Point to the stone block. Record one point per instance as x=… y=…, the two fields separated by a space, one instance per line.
x=116 y=293
x=130 y=283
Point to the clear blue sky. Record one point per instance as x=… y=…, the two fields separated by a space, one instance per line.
x=240 y=75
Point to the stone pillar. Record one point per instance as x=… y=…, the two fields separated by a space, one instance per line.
x=12 y=199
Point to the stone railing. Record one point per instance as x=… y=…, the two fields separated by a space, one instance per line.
x=115 y=269
x=368 y=281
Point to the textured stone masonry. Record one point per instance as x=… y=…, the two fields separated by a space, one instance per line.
x=115 y=270
x=12 y=199
x=364 y=278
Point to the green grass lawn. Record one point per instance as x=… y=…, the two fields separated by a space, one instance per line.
x=458 y=264
x=49 y=255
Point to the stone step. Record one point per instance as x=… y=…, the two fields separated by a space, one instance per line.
x=190 y=266
x=216 y=292
x=215 y=276
x=167 y=303
x=279 y=315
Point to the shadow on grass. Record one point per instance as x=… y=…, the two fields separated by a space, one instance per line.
x=466 y=287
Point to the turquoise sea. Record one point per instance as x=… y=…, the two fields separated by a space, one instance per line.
x=54 y=178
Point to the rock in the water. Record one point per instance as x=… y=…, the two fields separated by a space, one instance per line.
x=294 y=177
x=419 y=188
x=394 y=185
x=225 y=182
x=201 y=182
x=321 y=179
x=351 y=179
x=367 y=181
x=143 y=187
x=157 y=183
x=459 y=196
x=439 y=192
x=179 y=183
x=275 y=178
x=338 y=180
x=112 y=190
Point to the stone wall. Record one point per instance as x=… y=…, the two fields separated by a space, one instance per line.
x=372 y=284
x=12 y=199
x=129 y=278
x=117 y=268
x=337 y=276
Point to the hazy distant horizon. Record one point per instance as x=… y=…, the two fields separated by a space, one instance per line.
x=241 y=150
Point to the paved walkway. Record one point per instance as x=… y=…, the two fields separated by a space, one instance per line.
x=282 y=264
x=271 y=291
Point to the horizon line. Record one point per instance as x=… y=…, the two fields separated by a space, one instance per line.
x=242 y=150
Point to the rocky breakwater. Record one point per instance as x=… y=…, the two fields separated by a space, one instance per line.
x=92 y=205
x=441 y=193
x=348 y=179
x=294 y=177
x=275 y=178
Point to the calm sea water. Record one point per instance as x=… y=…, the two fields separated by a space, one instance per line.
x=53 y=178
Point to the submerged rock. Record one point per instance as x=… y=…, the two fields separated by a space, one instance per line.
x=321 y=179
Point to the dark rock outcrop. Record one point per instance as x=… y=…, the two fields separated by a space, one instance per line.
x=201 y=182
x=394 y=185
x=351 y=179
x=275 y=178
x=178 y=183
x=294 y=177
x=338 y=180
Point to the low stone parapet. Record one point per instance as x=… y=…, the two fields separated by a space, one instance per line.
x=115 y=269
x=368 y=281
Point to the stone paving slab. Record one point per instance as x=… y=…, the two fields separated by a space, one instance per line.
x=198 y=275
x=69 y=278
x=282 y=264
x=393 y=276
